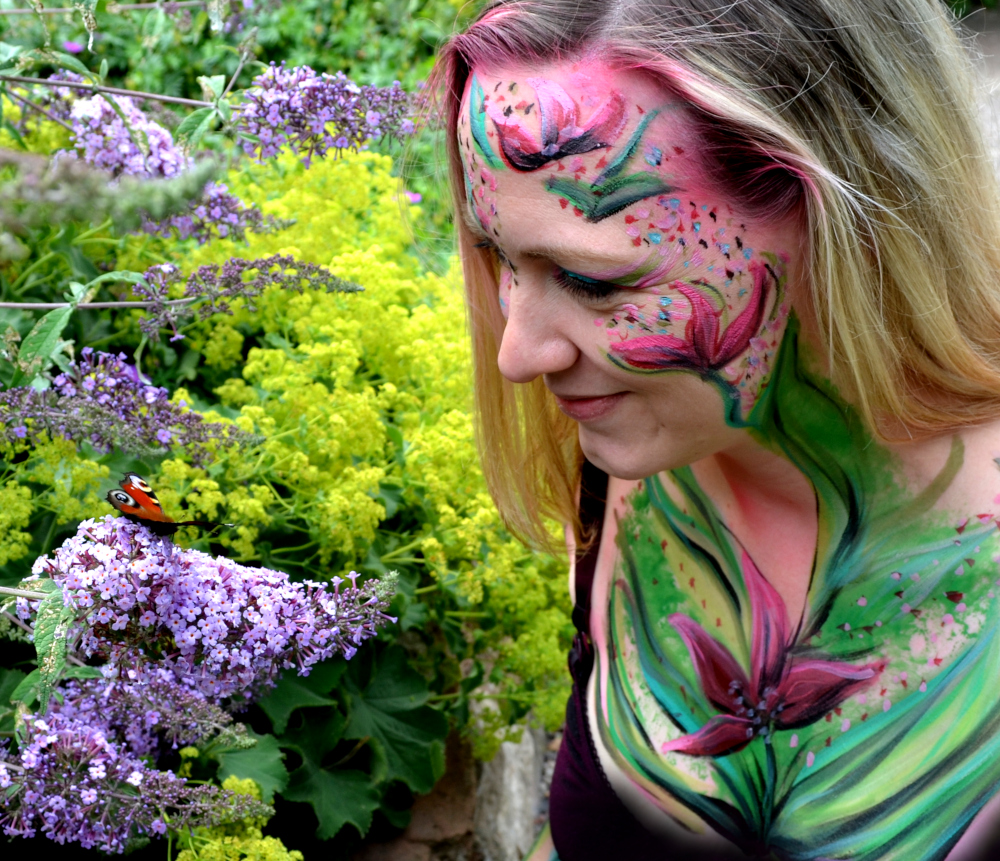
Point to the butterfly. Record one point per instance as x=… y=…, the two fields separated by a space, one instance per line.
x=137 y=502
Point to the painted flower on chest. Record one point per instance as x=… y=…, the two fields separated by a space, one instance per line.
x=782 y=691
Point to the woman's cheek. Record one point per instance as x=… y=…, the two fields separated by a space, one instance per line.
x=656 y=312
x=506 y=282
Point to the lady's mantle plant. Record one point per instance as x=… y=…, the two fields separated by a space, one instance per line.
x=143 y=646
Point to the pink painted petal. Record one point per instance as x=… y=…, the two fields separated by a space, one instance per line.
x=703 y=328
x=714 y=663
x=516 y=139
x=812 y=688
x=557 y=111
x=721 y=735
x=736 y=338
x=769 y=639
x=657 y=352
x=608 y=120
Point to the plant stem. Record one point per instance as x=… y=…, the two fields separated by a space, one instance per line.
x=392 y=554
x=112 y=7
x=236 y=74
x=23 y=593
x=465 y=614
x=40 y=110
x=88 y=233
x=49 y=306
x=423 y=590
x=43 y=259
x=114 y=91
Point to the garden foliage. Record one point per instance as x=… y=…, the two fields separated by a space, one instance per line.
x=258 y=386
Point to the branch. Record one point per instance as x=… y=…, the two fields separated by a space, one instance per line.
x=114 y=91
x=23 y=593
x=49 y=306
x=112 y=7
x=40 y=110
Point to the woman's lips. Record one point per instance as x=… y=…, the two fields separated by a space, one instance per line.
x=589 y=409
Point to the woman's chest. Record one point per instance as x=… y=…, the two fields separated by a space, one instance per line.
x=873 y=720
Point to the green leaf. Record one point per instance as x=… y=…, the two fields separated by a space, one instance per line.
x=338 y=798
x=46 y=57
x=390 y=709
x=195 y=126
x=9 y=53
x=296 y=692
x=212 y=86
x=39 y=345
x=263 y=763
x=26 y=691
x=9 y=681
x=51 y=626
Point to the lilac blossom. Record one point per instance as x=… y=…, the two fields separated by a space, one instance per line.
x=222 y=629
x=313 y=114
x=73 y=782
x=104 y=400
x=214 y=287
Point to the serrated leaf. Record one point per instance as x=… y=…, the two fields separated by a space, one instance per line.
x=295 y=692
x=338 y=798
x=316 y=737
x=40 y=343
x=51 y=626
x=390 y=709
x=263 y=763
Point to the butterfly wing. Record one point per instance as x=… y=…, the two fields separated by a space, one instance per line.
x=137 y=501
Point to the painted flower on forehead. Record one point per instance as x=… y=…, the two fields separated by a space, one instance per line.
x=783 y=691
x=704 y=347
x=561 y=132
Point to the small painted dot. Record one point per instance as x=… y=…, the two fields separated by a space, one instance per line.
x=914 y=577
x=886 y=705
x=845 y=725
x=794 y=740
x=810 y=759
x=923 y=687
x=896 y=575
x=960 y=570
x=961 y=608
x=905 y=608
x=862 y=601
x=598 y=321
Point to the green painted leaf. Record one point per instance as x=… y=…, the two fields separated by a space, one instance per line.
x=39 y=345
x=598 y=203
x=390 y=709
x=295 y=692
x=338 y=798
x=263 y=763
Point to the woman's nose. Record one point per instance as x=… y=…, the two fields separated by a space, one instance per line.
x=535 y=340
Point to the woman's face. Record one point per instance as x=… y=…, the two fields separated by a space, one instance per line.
x=651 y=306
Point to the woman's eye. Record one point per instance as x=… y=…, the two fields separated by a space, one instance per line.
x=584 y=287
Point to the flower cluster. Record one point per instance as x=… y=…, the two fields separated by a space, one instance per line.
x=150 y=716
x=107 y=136
x=71 y=781
x=106 y=401
x=312 y=114
x=223 y=629
x=218 y=213
x=215 y=286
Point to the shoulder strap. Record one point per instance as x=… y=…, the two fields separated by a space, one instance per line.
x=593 y=496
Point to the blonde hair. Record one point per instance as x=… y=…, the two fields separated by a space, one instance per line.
x=863 y=111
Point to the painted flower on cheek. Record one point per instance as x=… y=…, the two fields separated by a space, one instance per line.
x=782 y=692
x=561 y=132
x=703 y=348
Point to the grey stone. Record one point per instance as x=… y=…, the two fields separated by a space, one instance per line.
x=508 y=798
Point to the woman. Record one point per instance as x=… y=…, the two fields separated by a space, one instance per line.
x=744 y=258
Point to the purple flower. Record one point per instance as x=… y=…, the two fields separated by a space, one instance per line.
x=20 y=431
x=414 y=196
x=72 y=47
x=310 y=113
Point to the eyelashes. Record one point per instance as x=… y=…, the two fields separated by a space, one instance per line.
x=580 y=286
x=584 y=287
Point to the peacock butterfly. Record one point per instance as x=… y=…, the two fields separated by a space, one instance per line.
x=137 y=502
